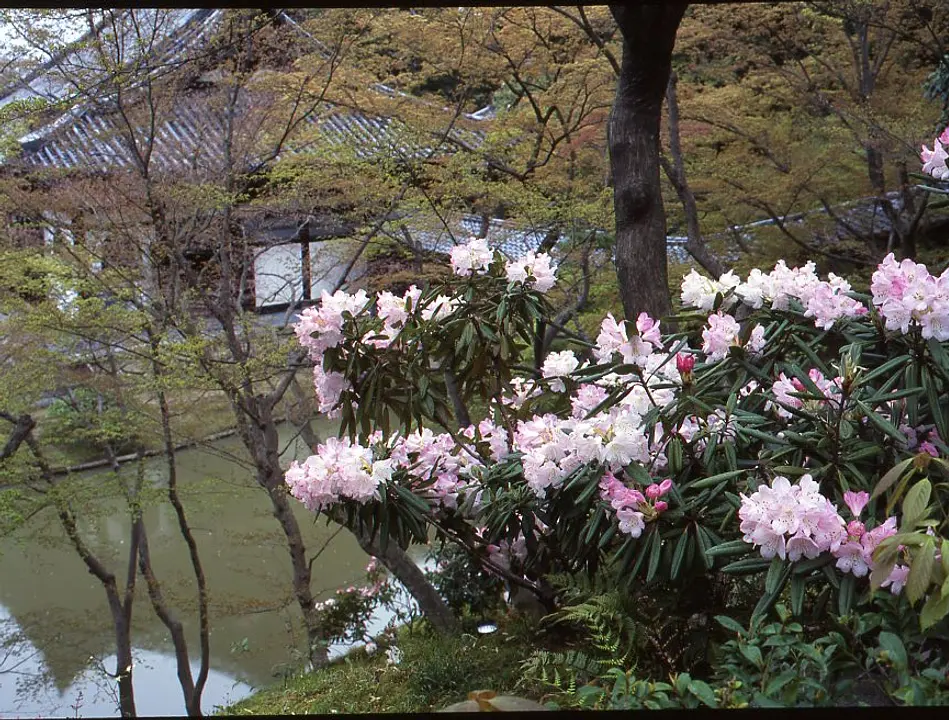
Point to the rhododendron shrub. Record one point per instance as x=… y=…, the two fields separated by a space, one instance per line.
x=787 y=429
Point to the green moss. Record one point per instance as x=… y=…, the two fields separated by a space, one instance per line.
x=434 y=672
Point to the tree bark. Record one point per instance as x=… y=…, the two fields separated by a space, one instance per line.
x=398 y=562
x=641 y=264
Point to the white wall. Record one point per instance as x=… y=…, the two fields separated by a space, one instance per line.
x=278 y=276
x=279 y=270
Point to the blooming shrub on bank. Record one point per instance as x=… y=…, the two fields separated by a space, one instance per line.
x=732 y=444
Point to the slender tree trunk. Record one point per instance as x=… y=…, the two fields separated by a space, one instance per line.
x=648 y=38
x=192 y=689
x=675 y=171
x=261 y=440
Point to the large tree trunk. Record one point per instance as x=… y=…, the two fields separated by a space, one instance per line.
x=648 y=38
x=398 y=562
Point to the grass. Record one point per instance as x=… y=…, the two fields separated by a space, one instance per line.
x=434 y=672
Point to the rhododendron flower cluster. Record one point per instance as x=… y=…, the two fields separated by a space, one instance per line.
x=791 y=521
x=934 y=161
x=856 y=554
x=441 y=467
x=534 y=267
x=700 y=291
x=906 y=294
x=824 y=300
x=795 y=521
x=784 y=386
x=339 y=469
x=722 y=333
x=558 y=365
x=321 y=328
x=554 y=447
x=633 y=507
x=473 y=257
x=613 y=339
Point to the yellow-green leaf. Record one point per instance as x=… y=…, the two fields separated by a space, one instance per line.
x=915 y=504
x=920 y=572
x=934 y=610
x=891 y=476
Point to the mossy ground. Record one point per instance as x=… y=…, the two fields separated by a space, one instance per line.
x=434 y=672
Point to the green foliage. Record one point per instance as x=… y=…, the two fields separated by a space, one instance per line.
x=464 y=584
x=90 y=418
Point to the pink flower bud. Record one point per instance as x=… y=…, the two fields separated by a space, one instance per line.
x=685 y=363
x=653 y=492
x=928 y=447
x=855 y=528
x=665 y=486
x=661 y=506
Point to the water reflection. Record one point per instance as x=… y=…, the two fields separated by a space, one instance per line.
x=29 y=689
x=58 y=612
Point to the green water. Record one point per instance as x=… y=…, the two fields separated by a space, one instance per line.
x=60 y=613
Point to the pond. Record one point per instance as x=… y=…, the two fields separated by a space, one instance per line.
x=56 y=633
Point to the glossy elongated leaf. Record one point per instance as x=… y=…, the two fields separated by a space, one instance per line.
x=730 y=624
x=768 y=600
x=798 y=587
x=885 y=426
x=890 y=477
x=733 y=547
x=774 y=575
x=934 y=610
x=845 y=594
x=915 y=504
x=713 y=480
x=705 y=544
x=703 y=692
x=891 y=643
x=655 y=553
x=894 y=366
x=920 y=571
x=747 y=566
x=678 y=554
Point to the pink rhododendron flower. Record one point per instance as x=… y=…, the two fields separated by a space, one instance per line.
x=856 y=501
x=784 y=386
x=473 y=257
x=934 y=161
x=531 y=266
x=852 y=559
x=649 y=330
x=558 y=365
x=700 y=292
x=772 y=513
x=721 y=334
x=586 y=399
x=897 y=578
x=906 y=294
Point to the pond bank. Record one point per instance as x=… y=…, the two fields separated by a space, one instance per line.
x=121 y=459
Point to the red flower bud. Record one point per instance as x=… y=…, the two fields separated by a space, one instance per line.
x=685 y=362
